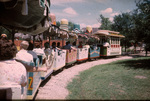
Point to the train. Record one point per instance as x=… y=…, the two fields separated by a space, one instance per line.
x=63 y=58
x=107 y=43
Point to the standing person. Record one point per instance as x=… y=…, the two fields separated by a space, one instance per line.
x=12 y=72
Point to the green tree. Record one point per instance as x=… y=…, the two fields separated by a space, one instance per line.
x=105 y=23
x=144 y=11
x=70 y=25
x=123 y=24
x=58 y=23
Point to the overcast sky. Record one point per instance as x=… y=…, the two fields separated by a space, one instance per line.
x=86 y=12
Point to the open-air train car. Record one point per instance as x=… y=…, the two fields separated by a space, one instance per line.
x=109 y=42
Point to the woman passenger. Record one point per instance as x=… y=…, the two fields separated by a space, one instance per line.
x=12 y=72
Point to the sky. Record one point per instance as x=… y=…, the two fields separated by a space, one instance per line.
x=86 y=12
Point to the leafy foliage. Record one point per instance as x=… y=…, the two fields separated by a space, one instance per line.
x=106 y=23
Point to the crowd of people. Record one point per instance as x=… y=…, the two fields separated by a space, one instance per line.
x=14 y=64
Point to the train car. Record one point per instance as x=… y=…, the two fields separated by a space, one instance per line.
x=94 y=52
x=109 y=42
x=60 y=59
x=82 y=54
x=71 y=56
x=14 y=91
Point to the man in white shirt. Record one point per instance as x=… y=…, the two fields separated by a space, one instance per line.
x=23 y=54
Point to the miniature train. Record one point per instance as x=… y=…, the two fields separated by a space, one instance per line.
x=61 y=59
x=36 y=22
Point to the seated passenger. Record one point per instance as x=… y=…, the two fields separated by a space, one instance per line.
x=30 y=50
x=47 y=49
x=49 y=55
x=80 y=45
x=12 y=72
x=67 y=46
x=74 y=44
x=58 y=45
x=25 y=58
x=86 y=45
x=38 y=50
x=4 y=36
x=23 y=54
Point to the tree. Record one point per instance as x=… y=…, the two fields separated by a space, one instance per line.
x=58 y=23
x=123 y=24
x=71 y=26
x=144 y=10
x=105 y=23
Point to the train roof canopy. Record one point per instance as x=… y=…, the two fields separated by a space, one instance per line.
x=108 y=33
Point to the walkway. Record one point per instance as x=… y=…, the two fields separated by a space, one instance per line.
x=55 y=87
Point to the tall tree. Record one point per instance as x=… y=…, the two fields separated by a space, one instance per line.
x=105 y=23
x=123 y=23
x=144 y=10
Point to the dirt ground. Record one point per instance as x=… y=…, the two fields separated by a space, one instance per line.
x=55 y=86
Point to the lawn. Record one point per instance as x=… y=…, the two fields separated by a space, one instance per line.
x=120 y=80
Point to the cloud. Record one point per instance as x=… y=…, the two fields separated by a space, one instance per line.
x=70 y=11
x=97 y=25
x=89 y=13
x=82 y=25
x=108 y=10
x=113 y=14
x=62 y=2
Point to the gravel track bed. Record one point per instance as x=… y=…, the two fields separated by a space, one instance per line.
x=55 y=87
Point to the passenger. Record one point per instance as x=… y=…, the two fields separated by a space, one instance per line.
x=12 y=72
x=47 y=49
x=80 y=45
x=49 y=55
x=54 y=45
x=30 y=51
x=86 y=45
x=74 y=44
x=58 y=45
x=4 y=36
x=67 y=46
x=38 y=50
x=23 y=56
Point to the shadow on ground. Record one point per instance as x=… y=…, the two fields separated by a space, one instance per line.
x=138 y=63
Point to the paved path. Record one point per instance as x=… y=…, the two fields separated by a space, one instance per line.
x=55 y=87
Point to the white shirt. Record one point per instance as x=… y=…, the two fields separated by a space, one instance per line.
x=33 y=54
x=39 y=51
x=47 y=51
x=24 y=56
x=12 y=72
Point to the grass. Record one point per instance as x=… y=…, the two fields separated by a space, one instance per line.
x=121 y=80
